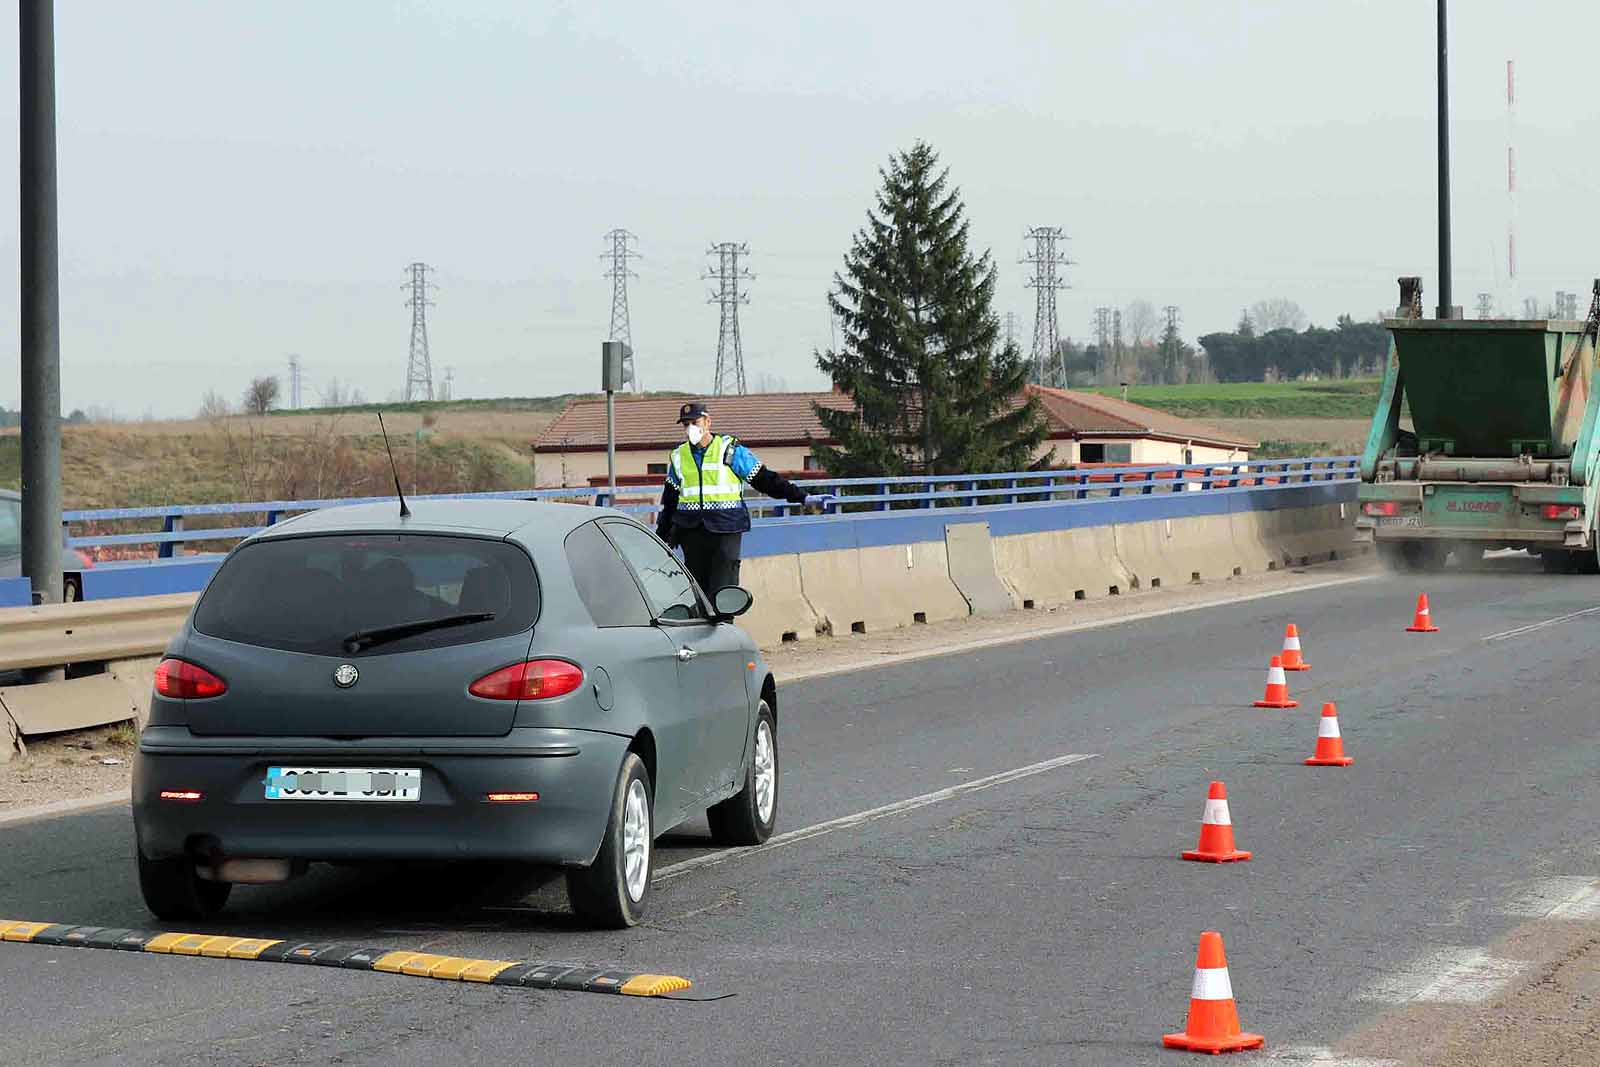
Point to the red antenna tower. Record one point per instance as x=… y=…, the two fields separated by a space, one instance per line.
x=1511 y=183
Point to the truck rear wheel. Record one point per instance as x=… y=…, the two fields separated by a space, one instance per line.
x=1558 y=561
x=1412 y=555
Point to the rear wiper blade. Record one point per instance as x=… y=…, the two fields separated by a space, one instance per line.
x=384 y=634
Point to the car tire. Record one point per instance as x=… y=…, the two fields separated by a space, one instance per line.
x=747 y=817
x=173 y=890
x=72 y=590
x=612 y=891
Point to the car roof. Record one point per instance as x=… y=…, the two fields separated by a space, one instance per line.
x=530 y=521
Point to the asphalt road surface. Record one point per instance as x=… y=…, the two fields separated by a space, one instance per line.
x=1042 y=919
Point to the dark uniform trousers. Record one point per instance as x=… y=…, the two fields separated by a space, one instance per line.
x=713 y=558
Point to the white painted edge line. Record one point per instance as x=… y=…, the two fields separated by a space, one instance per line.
x=1452 y=975
x=64 y=807
x=1570 y=897
x=845 y=822
x=1319 y=1056
x=1506 y=635
x=893 y=659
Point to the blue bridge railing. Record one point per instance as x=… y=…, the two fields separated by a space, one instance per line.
x=174 y=526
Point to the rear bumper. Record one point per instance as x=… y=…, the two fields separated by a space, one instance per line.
x=1573 y=535
x=574 y=772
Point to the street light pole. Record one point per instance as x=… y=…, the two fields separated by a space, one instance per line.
x=1445 y=307
x=41 y=305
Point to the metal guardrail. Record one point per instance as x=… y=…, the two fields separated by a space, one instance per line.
x=53 y=634
x=854 y=494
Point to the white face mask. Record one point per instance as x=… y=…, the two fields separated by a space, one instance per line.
x=696 y=434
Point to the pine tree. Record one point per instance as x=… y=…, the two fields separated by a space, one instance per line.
x=936 y=390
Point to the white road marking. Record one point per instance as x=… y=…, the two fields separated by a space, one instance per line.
x=1576 y=898
x=1448 y=976
x=1319 y=1056
x=1506 y=635
x=64 y=807
x=845 y=822
x=801 y=674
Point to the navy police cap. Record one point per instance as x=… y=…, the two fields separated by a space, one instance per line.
x=691 y=412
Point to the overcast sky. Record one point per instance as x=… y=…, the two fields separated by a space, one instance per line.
x=241 y=181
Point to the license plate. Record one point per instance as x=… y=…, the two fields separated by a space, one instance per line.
x=1400 y=520
x=343 y=783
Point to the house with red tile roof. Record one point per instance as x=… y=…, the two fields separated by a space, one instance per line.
x=780 y=428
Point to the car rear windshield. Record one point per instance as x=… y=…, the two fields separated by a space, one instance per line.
x=312 y=594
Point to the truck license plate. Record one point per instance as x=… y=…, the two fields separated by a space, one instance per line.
x=1400 y=520
x=343 y=783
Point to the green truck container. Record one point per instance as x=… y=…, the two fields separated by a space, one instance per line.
x=1501 y=450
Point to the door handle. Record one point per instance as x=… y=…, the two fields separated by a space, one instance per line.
x=686 y=654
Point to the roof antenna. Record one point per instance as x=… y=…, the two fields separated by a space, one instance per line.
x=405 y=512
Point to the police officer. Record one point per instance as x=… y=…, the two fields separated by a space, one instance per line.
x=702 y=506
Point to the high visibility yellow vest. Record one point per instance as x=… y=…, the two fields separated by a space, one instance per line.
x=710 y=485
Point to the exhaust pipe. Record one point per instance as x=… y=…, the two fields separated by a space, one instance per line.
x=248 y=871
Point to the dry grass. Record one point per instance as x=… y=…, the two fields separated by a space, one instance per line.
x=285 y=456
x=1301 y=437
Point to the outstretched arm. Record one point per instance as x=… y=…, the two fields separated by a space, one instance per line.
x=762 y=479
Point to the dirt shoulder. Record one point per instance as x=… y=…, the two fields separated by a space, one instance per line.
x=1549 y=1017
x=70 y=766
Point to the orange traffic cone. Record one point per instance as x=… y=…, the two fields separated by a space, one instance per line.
x=1330 y=746
x=1423 y=623
x=1291 y=650
x=1213 y=1024
x=1216 y=830
x=1277 y=687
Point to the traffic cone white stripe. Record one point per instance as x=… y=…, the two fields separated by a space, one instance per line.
x=1328 y=726
x=1211 y=983
x=1291 y=642
x=1216 y=814
x=1275 y=676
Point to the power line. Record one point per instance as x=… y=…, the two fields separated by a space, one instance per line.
x=621 y=251
x=1045 y=258
x=730 y=354
x=419 y=365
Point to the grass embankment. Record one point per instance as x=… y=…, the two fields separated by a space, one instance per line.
x=1288 y=418
x=1353 y=398
x=287 y=457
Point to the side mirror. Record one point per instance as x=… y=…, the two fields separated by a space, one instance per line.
x=731 y=601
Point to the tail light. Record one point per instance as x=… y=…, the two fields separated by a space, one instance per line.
x=1563 y=511
x=513 y=798
x=182 y=794
x=535 y=679
x=183 y=680
x=1381 y=507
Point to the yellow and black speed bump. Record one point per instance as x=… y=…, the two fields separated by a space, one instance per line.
x=536 y=974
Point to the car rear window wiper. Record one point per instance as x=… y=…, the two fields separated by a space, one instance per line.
x=384 y=634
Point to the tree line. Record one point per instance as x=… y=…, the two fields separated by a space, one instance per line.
x=1349 y=349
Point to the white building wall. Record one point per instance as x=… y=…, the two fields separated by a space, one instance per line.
x=552 y=469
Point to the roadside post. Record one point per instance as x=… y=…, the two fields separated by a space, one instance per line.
x=614 y=356
x=41 y=317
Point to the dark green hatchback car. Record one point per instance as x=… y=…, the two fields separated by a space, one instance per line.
x=490 y=680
